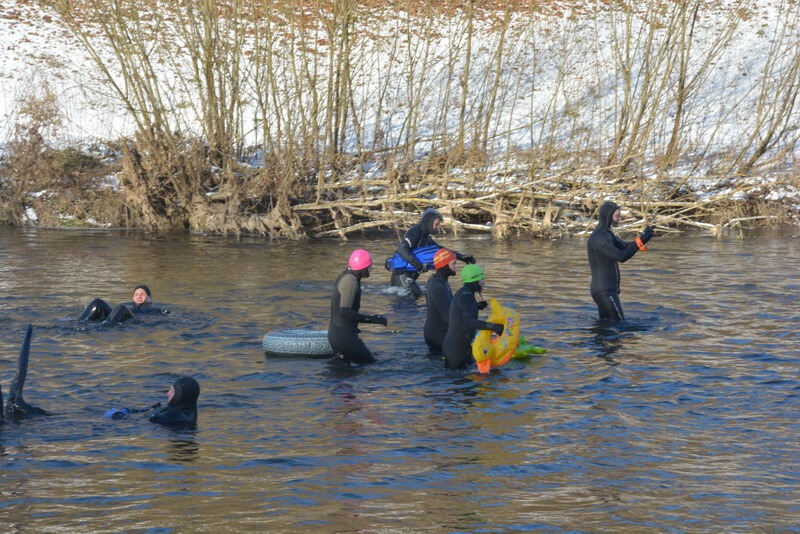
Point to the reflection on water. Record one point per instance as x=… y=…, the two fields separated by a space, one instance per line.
x=684 y=417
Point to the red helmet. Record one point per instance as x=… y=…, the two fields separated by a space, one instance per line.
x=443 y=257
x=359 y=259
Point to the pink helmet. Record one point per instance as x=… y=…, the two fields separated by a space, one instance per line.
x=359 y=259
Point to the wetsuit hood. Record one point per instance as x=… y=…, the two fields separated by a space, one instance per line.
x=474 y=287
x=361 y=273
x=187 y=390
x=427 y=218
x=445 y=272
x=604 y=216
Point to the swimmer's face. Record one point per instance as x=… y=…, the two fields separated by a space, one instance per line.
x=170 y=394
x=452 y=265
x=437 y=226
x=615 y=217
x=139 y=296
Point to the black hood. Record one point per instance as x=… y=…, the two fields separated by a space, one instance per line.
x=445 y=272
x=186 y=392
x=427 y=218
x=604 y=216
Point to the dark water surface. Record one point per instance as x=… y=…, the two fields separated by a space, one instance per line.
x=685 y=419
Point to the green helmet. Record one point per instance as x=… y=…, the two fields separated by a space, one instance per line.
x=471 y=273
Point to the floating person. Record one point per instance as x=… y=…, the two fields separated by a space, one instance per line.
x=418 y=237
x=438 y=296
x=345 y=305
x=100 y=311
x=463 y=319
x=181 y=408
x=605 y=252
x=16 y=408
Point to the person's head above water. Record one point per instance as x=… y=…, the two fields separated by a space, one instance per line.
x=183 y=393
x=608 y=215
x=472 y=275
x=431 y=221
x=445 y=257
x=360 y=262
x=142 y=295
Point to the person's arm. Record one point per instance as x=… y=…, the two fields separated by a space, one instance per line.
x=348 y=288
x=469 y=310
x=615 y=248
x=409 y=242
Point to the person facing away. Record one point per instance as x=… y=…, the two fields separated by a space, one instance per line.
x=438 y=296
x=605 y=251
x=16 y=408
x=181 y=408
x=419 y=235
x=463 y=319
x=100 y=311
x=345 y=315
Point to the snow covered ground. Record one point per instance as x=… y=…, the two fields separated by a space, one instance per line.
x=561 y=84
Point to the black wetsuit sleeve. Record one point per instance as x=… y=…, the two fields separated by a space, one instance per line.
x=469 y=310
x=615 y=248
x=348 y=289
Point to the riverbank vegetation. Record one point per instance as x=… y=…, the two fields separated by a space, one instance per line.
x=305 y=119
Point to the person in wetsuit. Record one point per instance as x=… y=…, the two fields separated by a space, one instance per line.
x=16 y=408
x=438 y=296
x=605 y=251
x=419 y=235
x=181 y=408
x=345 y=305
x=100 y=311
x=463 y=320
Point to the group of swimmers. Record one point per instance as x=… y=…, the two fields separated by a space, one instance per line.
x=452 y=320
x=181 y=408
x=450 y=324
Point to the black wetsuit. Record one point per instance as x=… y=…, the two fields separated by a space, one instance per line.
x=463 y=324
x=438 y=296
x=345 y=317
x=605 y=252
x=16 y=408
x=100 y=311
x=419 y=235
x=182 y=408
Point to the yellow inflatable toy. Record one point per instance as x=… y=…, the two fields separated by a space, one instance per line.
x=491 y=350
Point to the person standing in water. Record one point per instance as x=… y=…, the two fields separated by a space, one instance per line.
x=438 y=296
x=463 y=320
x=605 y=251
x=345 y=315
x=419 y=235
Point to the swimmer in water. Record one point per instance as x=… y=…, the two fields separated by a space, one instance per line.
x=100 y=311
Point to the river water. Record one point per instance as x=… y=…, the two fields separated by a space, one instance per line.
x=683 y=419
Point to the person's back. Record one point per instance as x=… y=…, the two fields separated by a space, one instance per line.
x=438 y=297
